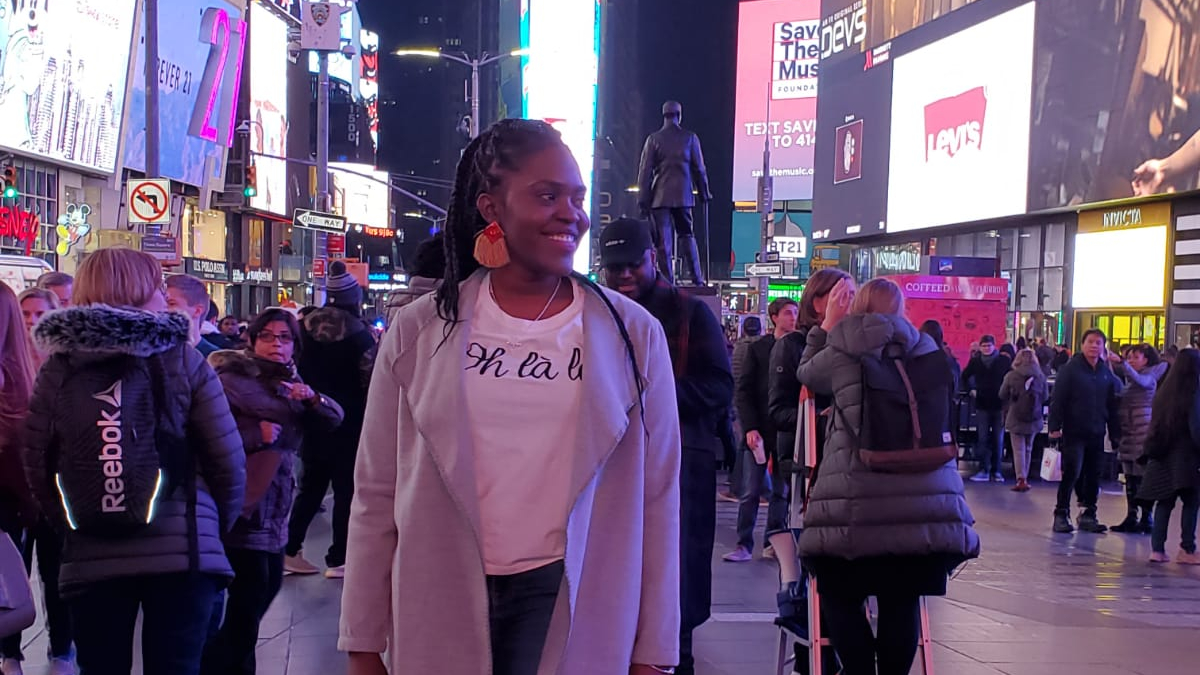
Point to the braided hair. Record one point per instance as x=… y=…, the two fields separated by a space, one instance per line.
x=501 y=147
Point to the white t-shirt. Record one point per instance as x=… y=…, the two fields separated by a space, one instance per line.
x=524 y=384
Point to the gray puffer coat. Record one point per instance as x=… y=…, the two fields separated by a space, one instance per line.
x=1134 y=412
x=1010 y=392
x=197 y=409
x=857 y=513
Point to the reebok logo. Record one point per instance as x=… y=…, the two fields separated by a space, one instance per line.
x=111 y=452
x=955 y=124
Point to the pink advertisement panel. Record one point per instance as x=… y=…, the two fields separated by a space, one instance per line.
x=779 y=47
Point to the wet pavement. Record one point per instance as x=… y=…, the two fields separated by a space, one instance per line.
x=1035 y=603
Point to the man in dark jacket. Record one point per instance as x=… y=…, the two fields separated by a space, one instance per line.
x=1084 y=403
x=337 y=354
x=704 y=387
x=983 y=377
x=672 y=166
x=752 y=398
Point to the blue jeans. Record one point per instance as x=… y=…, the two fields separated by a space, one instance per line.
x=520 y=607
x=176 y=610
x=777 y=510
x=1187 y=518
x=990 y=447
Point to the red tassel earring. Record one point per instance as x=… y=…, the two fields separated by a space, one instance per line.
x=491 y=251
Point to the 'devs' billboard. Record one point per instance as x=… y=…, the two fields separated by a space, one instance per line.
x=779 y=47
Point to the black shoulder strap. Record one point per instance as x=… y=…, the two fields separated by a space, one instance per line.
x=175 y=454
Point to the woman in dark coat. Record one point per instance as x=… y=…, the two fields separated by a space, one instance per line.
x=1141 y=370
x=895 y=536
x=1173 y=450
x=1024 y=385
x=271 y=406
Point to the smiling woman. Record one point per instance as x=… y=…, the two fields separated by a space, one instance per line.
x=508 y=483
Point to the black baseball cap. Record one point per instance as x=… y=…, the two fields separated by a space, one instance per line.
x=624 y=242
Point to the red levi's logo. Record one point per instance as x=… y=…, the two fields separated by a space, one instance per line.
x=955 y=124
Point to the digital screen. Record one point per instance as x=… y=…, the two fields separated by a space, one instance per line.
x=63 y=69
x=563 y=42
x=201 y=48
x=268 y=108
x=960 y=125
x=1098 y=254
x=779 y=47
x=368 y=83
x=933 y=113
x=358 y=199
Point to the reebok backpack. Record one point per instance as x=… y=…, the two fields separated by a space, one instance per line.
x=111 y=460
x=905 y=426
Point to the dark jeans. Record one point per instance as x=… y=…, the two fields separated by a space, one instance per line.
x=1187 y=520
x=520 y=607
x=777 y=510
x=259 y=575
x=175 y=613
x=989 y=449
x=894 y=646
x=58 y=617
x=320 y=470
x=1081 y=462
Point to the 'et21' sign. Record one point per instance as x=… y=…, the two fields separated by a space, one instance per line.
x=215 y=113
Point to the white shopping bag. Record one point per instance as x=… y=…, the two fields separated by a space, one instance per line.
x=1051 y=465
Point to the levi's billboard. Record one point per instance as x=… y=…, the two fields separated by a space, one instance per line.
x=779 y=49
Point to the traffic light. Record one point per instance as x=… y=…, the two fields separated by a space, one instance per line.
x=251 y=189
x=10 y=183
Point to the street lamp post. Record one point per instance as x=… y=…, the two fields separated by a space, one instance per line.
x=474 y=64
x=437 y=222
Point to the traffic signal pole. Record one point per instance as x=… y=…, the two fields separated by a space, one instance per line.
x=151 y=74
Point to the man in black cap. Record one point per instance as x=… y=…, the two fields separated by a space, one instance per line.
x=704 y=386
x=335 y=358
x=672 y=165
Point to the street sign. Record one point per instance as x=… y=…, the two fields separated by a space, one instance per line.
x=315 y=220
x=149 y=201
x=772 y=257
x=765 y=270
x=321 y=27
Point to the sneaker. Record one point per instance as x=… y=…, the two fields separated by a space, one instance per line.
x=981 y=477
x=726 y=496
x=60 y=665
x=296 y=564
x=768 y=552
x=336 y=572
x=739 y=554
x=1185 y=558
x=1159 y=557
x=997 y=478
x=11 y=667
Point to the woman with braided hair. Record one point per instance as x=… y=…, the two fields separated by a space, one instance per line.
x=506 y=519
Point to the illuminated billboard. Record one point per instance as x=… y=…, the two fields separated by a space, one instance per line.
x=357 y=198
x=201 y=47
x=62 y=79
x=368 y=83
x=268 y=107
x=560 y=72
x=777 y=59
x=965 y=112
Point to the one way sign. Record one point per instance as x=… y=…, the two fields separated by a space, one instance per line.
x=315 y=220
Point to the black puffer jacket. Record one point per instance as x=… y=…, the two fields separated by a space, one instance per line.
x=197 y=407
x=336 y=359
x=783 y=390
x=750 y=395
x=254 y=387
x=1086 y=400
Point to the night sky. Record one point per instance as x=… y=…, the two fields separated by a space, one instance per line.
x=689 y=52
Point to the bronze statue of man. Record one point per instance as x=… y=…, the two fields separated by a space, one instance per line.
x=672 y=165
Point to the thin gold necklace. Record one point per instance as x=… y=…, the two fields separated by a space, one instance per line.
x=540 y=316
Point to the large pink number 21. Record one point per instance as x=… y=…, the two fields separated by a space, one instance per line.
x=213 y=111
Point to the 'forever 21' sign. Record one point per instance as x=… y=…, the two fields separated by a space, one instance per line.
x=216 y=106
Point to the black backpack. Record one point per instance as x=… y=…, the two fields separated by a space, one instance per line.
x=905 y=426
x=114 y=455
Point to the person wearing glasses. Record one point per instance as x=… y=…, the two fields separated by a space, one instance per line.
x=272 y=407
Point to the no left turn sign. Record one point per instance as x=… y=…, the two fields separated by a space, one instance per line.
x=149 y=201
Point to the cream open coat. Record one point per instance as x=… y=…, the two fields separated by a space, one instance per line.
x=414 y=571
